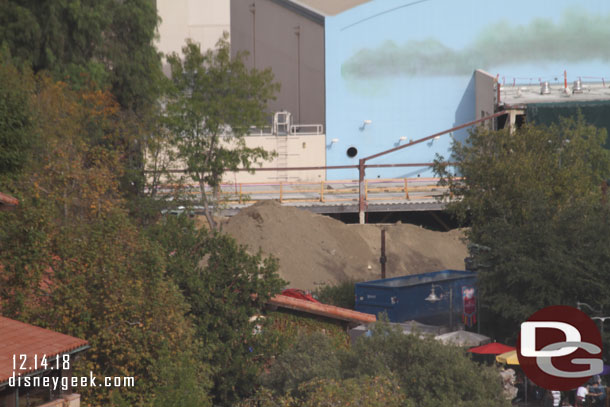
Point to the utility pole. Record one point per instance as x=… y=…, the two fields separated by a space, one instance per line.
x=382 y=259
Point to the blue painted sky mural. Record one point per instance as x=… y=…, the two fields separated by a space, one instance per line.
x=407 y=66
x=578 y=36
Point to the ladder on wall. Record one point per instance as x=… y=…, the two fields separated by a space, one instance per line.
x=281 y=127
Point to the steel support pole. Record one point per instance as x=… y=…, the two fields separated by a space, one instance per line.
x=451 y=309
x=383 y=258
x=361 y=200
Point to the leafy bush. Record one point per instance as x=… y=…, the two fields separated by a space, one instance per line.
x=340 y=294
x=378 y=391
x=426 y=372
x=290 y=327
x=429 y=373
x=224 y=287
x=312 y=356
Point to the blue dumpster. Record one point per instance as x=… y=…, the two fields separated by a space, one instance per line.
x=404 y=298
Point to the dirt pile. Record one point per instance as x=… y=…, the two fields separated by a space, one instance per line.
x=314 y=249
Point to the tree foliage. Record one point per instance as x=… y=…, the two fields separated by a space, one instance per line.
x=536 y=211
x=378 y=391
x=224 y=286
x=311 y=357
x=423 y=372
x=210 y=107
x=79 y=165
x=108 y=42
x=340 y=294
x=72 y=261
x=16 y=123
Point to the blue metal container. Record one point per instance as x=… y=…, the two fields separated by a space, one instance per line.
x=404 y=298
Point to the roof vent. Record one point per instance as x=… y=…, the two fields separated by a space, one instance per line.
x=545 y=88
x=577 y=86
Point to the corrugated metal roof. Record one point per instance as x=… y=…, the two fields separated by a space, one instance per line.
x=18 y=338
x=325 y=7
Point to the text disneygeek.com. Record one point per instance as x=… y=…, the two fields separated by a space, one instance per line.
x=64 y=383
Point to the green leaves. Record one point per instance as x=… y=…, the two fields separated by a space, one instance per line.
x=388 y=368
x=211 y=103
x=533 y=198
x=16 y=118
x=224 y=287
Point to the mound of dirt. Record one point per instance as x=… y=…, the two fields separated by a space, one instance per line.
x=315 y=249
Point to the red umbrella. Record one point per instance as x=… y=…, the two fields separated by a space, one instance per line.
x=493 y=348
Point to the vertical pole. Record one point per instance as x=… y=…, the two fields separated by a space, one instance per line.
x=322 y=191
x=281 y=192
x=240 y=185
x=476 y=292
x=253 y=11
x=361 y=200
x=451 y=308
x=382 y=259
x=298 y=34
x=406 y=190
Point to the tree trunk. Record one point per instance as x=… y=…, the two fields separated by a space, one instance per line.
x=206 y=207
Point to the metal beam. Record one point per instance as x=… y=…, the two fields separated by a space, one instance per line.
x=362 y=162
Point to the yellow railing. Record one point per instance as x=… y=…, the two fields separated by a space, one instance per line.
x=390 y=189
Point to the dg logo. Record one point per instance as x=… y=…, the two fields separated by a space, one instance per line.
x=560 y=348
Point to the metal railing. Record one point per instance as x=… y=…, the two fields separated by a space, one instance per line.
x=306 y=129
x=324 y=192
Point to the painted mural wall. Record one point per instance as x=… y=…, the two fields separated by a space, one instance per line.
x=399 y=70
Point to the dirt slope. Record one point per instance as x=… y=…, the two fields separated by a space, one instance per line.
x=315 y=249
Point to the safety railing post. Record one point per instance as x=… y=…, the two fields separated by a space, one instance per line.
x=406 y=190
x=322 y=191
x=281 y=192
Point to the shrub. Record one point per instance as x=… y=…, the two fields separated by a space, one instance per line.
x=340 y=294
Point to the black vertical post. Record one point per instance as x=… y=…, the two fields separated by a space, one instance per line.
x=382 y=259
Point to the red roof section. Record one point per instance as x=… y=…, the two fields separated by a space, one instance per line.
x=329 y=311
x=18 y=338
x=6 y=199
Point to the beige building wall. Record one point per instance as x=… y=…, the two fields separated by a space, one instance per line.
x=307 y=150
x=201 y=20
x=298 y=151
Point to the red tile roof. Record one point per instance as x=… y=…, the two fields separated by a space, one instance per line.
x=8 y=200
x=329 y=311
x=17 y=338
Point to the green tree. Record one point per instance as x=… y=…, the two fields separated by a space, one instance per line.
x=311 y=357
x=378 y=391
x=109 y=42
x=537 y=215
x=425 y=373
x=428 y=372
x=224 y=286
x=72 y=261
x=16 y=122
x=209 y=109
